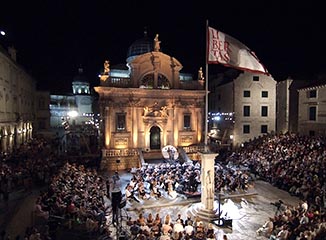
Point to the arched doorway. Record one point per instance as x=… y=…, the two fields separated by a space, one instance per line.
x=155 y=138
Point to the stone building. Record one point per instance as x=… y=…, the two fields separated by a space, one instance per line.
x=312 y=110
x=17 y=107
x=148 y=104
x=287 y=104
x=73 y=121
x=247 y=103
x=42 y=120
x=72 y=108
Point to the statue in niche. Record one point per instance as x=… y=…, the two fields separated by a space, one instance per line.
x=157 y=44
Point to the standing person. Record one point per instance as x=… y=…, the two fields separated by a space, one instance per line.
x=108 y=188
x=116 y=197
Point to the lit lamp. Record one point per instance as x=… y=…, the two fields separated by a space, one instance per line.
x=72 y=114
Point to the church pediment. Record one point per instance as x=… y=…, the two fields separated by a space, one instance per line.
x=153 y=57
x=155 y=70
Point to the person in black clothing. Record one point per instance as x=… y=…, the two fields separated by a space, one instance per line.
x=116 y=197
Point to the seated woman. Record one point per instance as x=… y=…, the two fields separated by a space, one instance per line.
x=150 y=220
x=200 y=231
x=141 y=219
x=267 y=229
x=154 y=189
x=155 y=229
x=142 y=192
x=157 y=220
x=171 y=192
x=168 y=219
x=210 y=235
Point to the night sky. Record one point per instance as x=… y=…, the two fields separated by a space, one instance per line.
x=54 y=38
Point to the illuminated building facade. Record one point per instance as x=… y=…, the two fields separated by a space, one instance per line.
x=312 y=110
x=245 y=104
x=148 y=104
x=72 y=109
x=17 y=102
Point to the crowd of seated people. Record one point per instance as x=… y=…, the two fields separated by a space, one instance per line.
x=295 y=222
x=33 y=166
x=291 y=162
x=296 y=164
x=165 y=179
x=229 y=178
x=157 y=180
x=30 y=163
x=28 y=167
x=166 y=228
x=76 y=194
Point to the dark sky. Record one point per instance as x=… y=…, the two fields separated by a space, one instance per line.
x=53 y=38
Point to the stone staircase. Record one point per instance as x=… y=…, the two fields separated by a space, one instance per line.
x=153 y=156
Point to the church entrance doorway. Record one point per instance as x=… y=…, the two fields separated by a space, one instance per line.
x=155 y=138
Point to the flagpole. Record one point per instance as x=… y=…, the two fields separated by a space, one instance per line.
x=206 y=89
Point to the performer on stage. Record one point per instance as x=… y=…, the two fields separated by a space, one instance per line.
x=116 y=197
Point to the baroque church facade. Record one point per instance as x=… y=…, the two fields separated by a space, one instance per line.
x=148 y=104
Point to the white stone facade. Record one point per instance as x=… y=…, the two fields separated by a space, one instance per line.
x=312 y=110
x=17 y=103
x=252 y=100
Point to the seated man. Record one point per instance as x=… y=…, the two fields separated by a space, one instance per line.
x=130 y=193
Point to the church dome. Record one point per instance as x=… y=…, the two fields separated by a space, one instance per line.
x=140 y=46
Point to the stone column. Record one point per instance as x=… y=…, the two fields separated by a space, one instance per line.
x=205 y=209
x=207 y=181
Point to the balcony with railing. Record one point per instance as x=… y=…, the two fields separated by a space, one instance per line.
x=117 y=82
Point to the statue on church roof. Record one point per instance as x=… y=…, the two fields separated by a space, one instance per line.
x=106 y=67
x=200 y=74
x=157 y=43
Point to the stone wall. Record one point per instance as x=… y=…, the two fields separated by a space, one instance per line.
x=121 y=163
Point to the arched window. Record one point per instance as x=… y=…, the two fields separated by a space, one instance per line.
x=148 y=81
x=163 y=82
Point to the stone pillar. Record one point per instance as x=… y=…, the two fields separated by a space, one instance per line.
x=207 y=181
x=205 y=209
